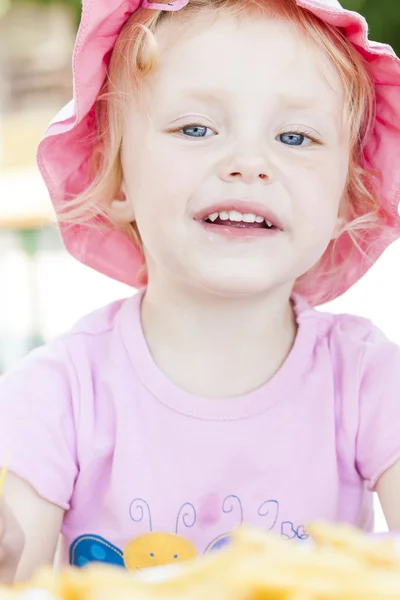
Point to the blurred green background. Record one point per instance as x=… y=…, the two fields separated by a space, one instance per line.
x=383 y=17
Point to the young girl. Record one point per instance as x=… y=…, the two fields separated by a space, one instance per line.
x=239 y=162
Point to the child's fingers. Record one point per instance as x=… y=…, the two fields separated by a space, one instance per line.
x=2 y=520
x=2 y=532
x=12 y=543
x=3 y=474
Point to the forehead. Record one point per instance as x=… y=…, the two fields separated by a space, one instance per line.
x=254 y=54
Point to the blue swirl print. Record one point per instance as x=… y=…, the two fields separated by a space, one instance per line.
x=188 y=518
x=139 y=506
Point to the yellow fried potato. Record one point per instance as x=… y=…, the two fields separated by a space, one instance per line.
x=340 y=564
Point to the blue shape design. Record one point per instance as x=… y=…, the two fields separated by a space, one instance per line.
x=98 y=553
x=219 y=543
x=302 y=533
x=287 y=530
x=93 y=548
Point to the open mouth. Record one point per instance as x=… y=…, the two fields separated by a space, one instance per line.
x=236 y=219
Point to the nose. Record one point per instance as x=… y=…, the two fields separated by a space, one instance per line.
x=248 y=167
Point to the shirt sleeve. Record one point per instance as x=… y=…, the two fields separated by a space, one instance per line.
x=37 y=423
x=378 y=439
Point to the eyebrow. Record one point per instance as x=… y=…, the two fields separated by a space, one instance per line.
x=212 y=96
x=216 y=96
x=302 y=102
x=297 y=102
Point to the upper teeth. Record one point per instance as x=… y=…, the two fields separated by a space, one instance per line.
x=234 y=215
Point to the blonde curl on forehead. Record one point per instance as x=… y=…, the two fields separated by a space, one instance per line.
x=135 y=55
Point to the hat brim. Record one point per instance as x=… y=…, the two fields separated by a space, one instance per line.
x=63 y=156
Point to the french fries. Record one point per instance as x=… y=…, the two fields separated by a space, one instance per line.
x=339 y=564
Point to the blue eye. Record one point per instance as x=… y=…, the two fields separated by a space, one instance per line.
x=175 y=556
x=152 y=554
x=197 y=131
x=292 y=138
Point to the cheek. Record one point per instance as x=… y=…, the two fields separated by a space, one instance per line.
x=319 y=195
x=161 y=181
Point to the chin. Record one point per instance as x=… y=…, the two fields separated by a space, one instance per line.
x=233 y=284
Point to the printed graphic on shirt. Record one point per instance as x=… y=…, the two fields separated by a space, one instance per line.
x=158 y=548
x=93 y=548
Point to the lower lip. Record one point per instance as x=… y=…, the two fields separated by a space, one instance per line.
x=240 y=232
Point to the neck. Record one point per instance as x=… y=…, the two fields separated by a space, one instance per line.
x=214 y=345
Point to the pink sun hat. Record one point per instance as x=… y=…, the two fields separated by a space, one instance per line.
x=63 y=154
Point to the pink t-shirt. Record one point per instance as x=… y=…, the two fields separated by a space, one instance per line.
x=150 y=474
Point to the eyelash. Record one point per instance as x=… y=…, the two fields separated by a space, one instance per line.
x=303 y=132
x=186 y=126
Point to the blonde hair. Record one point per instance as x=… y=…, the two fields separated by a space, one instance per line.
x=135 y=55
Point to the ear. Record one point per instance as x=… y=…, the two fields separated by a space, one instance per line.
x=121 y=209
